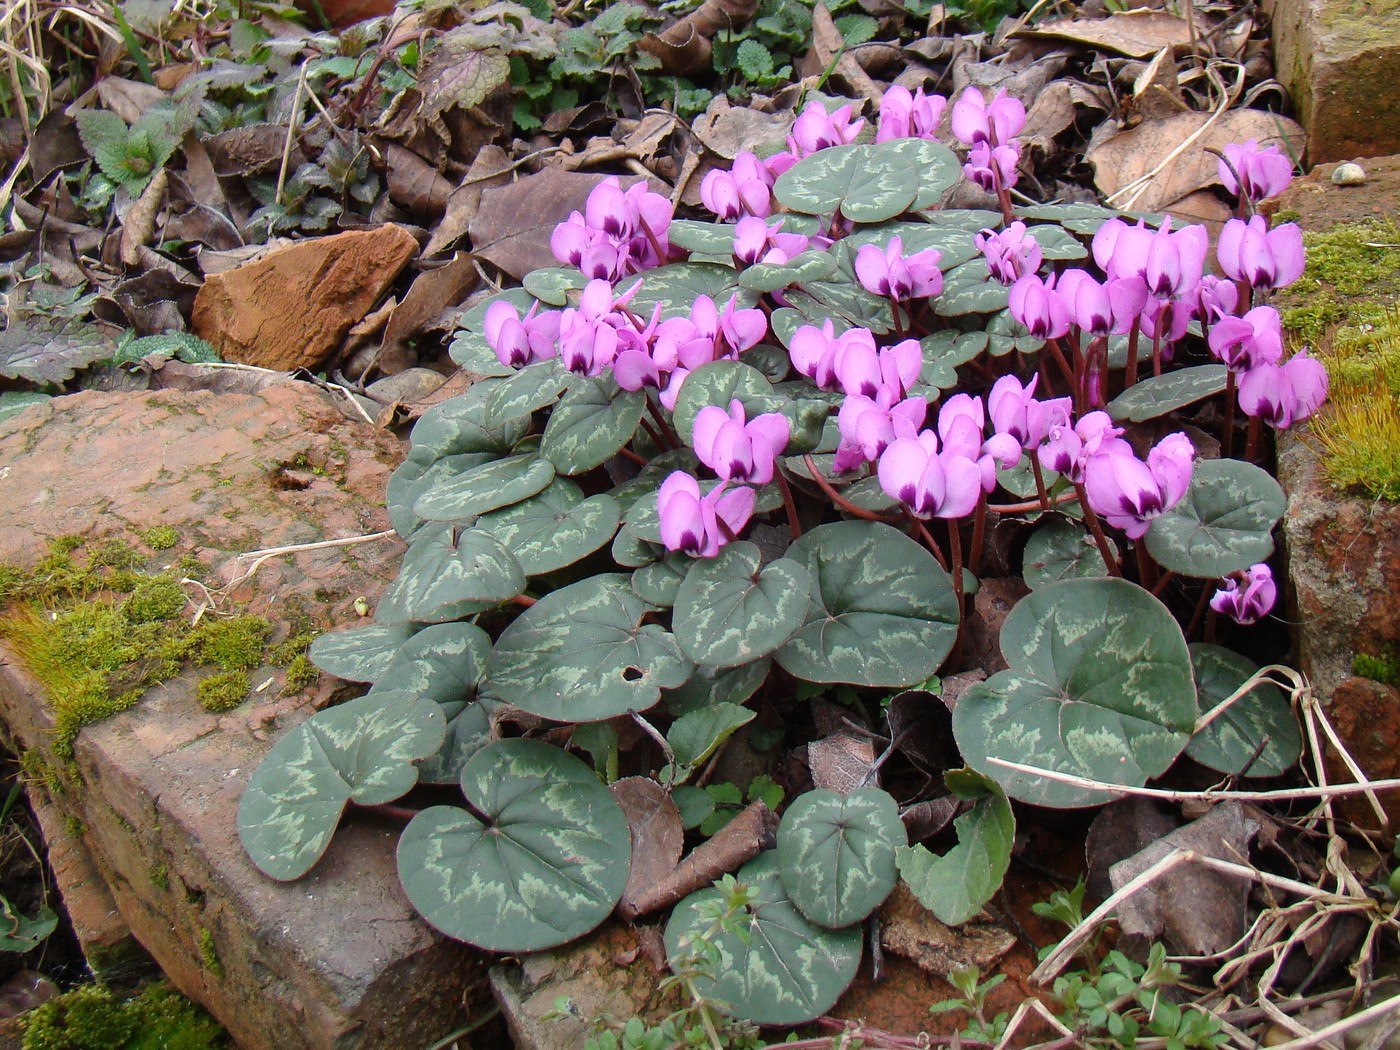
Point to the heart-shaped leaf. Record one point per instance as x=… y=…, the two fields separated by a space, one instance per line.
x=861 y=182
x=771 y=277
x=718 y=383
x=836 y=853
x=694 y=737
x=553 y=284
x=729 y=611
x=1099 y=686
x=954 y=245
x=937 y=167
x=969 y=289
x=1225 y=521
x=1061 y=550
x=414 y=477
x=555 y=528
x=882 y=610
x=592 y=421
x=956 y=885
x=1232 y=740
x=774 y=967
x=582 y=654
x=658 y=582
x=496 y=484
x=364 y=750
x=468 y=731
x=842 y=301
x=707 y=238
x=709 y=685
x=471 y=352
x=528 y=390
x=360 y=654
x=445 y=568
x=1058 y=243
x=443 y=663
x=546 y=864
x=676 y=287
x=464 y=424
x=1157 y=395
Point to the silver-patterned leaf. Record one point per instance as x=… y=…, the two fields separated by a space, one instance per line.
x=1099 y=686
x=414 y=477
x=782 y=969
x=555 y=528
x=882 y=610
x=528 y=390
x=546 y=865
x=463 y=424
x=359 y=654
x=936 y=166
x=583 y=654
x=710 y=685
x=658 y=582
x=364 y=750
x=443 y=663
x=862 y=182
x=1224 y=523
x=446 y=573
x=1060 y=549
x=469 y=729
x=956 y=885
x=836 y=853
x=487 y=487
x=811 y=265
x=718 y=383
x=1258 y=731
x=730 y=610
x=590 y=423
x=1158 y=395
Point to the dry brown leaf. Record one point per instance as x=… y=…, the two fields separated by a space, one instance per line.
x=657 y=835
x=828 y=47
x=55 y=144
x=1135 y=33
x=432 y=292
x=1127 y=156
x=414 y=183
x=513 y=226
x=911 y=930
x=922 y=729
x=1157 y=92
x=684 y=46
x=491 y=167
x=251 y=150
x=128 y=99
x=139 y=223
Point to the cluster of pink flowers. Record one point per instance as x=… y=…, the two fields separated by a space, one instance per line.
x=619 y=232
x=989 y=130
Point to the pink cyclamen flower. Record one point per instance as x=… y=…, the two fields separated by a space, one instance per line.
x=1170 y=261
x=1036 y=304
x=815 y=129
x=889 y=272
x=755 y=241
x=1101 y=309
x=1261 y=257
x=1016 y=412
x=1011 y=253
x=930 y=484
x=737 y=450
x=701 y=525
x=993 y=167
x=1243 y=343
x=744 y=189
x=1284 y=394
x=1066 y=449
x=1129 y=493
x=869 y=425
x=619 y=231
x=997 y=122
x=1262 y=172
x=904 y=115
x=1216 y=297
x=521 y=341
x=862 y=370
x=1248 y=603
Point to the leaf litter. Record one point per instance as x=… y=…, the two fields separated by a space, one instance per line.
x=126 y=199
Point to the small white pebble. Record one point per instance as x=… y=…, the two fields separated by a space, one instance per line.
x=1348 y=174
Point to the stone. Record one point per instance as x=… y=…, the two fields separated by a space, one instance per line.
x=1340 y=60
x=338 y=959
x=292 y=307
x=407 y=387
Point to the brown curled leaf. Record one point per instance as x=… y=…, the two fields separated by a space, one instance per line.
x=684 y=46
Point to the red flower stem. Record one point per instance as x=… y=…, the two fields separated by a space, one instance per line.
x=661 y=253
x=1251 y=448
x=1081 y=379
x=525 y=600
x=894 y=312
x=1004 y=199
x=1157 y=343
x=1227 y=435
x=659 y=441
x=1040 y=489
x=1065 y=370
x=1098 y=364
x=627 y=453
x=1147 y=568
x=919 y=527
x=979 y=531
x=1162 y=582
x=1029 y=505
x=794 y=526
x=1092 y=519
x=672 y=438
x=1199 y=611
x=955 y=551
x=1132 y=356
x=836 y=497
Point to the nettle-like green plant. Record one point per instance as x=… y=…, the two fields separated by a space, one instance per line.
x=703 y=475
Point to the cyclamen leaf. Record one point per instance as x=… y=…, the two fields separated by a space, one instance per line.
x=360 y=654
x=694 y=737
x=1158 y=395
x=554 y=529
x=530 y=389
x=547 y=865
x=1099 y=686
x=1224 y=523
x=491 y=485
x=956 y=885
x=775 y=967
x=1061 y=550
x=718 y=383
x=861 y=182
x=446 y=573
x=462 y=424
x=729 y=611
x=413 y=477
x=582 y=654
x=590 y=424
x=363 y=750
x=837 y=853
x=443 y=663
x=709 y=685
x=1262 y=716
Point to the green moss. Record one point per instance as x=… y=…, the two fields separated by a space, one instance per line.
x=208 y=954
x=35 y=771
x=160 y=877
x=115 y=554
x=1360 y=428
x=74 y=827
x=1352 y=275
x=1381 y=667
x=93 y=1018
x=160 y=537
x=233 y=644
x=291 y=656
x=155 y=600
x=223 y=691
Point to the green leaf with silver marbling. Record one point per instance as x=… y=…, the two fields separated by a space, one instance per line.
x=1224 y=523
x=363 y=751
x=590 y=423
x=487 y=487
x=711 y=685
x=414 y=477
x=1262 y=716
x=469 y=729
x=1158 y=395
x=956 y=885
x=718 y=383
x=1099 y=686
x=658 y=582
x=465 y=424
x=882 y=611
x=862 y=182
x=359 y=654
x=443 y=663
x=811 y=265
x=836 y=853
x=530 y=389
x=731 y=610
x=583 y=654
x=1060 y=549
x=445 y=568
x=781 y=969
x=708 y=238
x=937 y=167
x=546 y=863
x=555 y=528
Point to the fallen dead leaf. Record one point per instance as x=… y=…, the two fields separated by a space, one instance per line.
x=922 y=728
x=1134 y=33
x=728 y=130
x=909 y=929
x=139 y=223
x=657 y=835
x=414 y=183
x=684 y=46
x=828 y=51
x=1119 y=161
x=491 y=167
x=128 y=99
x=432 y=292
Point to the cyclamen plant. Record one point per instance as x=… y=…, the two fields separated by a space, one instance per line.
x=717 y=461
